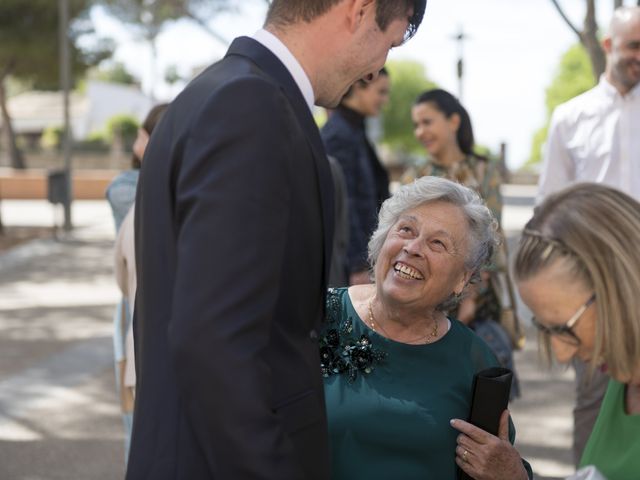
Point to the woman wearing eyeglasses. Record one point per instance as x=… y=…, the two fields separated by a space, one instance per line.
x=578 y=270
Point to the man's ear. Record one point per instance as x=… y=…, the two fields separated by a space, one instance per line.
x=357 y=10
x=606 y=44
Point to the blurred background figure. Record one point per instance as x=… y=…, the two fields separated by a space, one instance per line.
x=443 y=126
x=578 y=270
x=339 y=271
x=593 y=138
x=367 y=181
x=121 y=194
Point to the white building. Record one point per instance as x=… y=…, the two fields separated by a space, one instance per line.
x=32 y=112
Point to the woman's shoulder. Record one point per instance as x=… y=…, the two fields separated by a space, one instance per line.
x=480 y=353
x=340 y=299
x=123 y=185
x=335 y=295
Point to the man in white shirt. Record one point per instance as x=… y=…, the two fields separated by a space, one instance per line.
x=234 y=227
x=595 y=137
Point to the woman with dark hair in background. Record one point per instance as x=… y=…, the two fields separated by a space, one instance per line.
x=443 y=126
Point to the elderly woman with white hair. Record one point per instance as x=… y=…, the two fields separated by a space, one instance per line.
x=398 y=371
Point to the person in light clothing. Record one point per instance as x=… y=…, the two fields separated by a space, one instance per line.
x=593 y=137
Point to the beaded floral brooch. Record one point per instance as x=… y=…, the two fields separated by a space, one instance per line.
x=341 y=352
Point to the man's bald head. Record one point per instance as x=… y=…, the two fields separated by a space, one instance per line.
x=622 y=19
x=622 y=46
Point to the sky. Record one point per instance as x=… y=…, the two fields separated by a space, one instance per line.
x=510 y=57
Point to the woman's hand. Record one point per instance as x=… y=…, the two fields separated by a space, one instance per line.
x=486 y=457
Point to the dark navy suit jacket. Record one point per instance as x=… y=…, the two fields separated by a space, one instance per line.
x=233 y=238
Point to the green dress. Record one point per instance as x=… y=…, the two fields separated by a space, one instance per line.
x=614 y=444
x=389 y=403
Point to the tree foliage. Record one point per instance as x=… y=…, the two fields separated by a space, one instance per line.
x=573 y=77
x=408 y=80
x=114 y=73
x=29 y=50
x=149 y=17
x=123 y=128
x=589 y=34
x=29 y=46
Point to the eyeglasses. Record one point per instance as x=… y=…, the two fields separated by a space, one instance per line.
x=565 y=332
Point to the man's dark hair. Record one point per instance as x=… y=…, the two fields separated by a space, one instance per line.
x=286 y=12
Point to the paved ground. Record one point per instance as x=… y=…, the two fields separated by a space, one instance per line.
x=59 y=417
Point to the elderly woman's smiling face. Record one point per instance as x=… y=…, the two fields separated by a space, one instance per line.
x=422 y=260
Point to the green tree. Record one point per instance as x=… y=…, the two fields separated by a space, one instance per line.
x=171 y=75
x=147 y=18
x=150 y=16
x=408 y=80
x=29 y=51
x=573 y=77
x=115 y=73
x=122 y=128
x=589 y=35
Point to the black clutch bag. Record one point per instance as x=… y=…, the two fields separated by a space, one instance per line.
x=489 y=399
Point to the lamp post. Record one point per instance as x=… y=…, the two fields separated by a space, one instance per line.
x=65 y=77
x=460 y=37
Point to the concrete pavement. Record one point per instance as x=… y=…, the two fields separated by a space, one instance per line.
x=59 y=416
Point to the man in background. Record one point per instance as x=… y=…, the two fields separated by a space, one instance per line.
x=367 y=181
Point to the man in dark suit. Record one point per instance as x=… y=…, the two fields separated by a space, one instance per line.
x=233 y=238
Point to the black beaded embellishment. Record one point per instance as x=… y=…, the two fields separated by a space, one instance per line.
x=341 y=352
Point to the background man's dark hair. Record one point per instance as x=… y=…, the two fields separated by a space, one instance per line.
x=286 y=12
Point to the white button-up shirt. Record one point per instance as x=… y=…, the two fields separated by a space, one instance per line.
x=280 y=50
x=594 y=137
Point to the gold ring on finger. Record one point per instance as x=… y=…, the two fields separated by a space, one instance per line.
x=464 y=456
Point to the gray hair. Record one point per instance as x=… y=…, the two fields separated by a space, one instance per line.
x=483 y=227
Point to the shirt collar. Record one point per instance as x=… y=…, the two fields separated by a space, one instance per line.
x=280 y=50
x=613 y=92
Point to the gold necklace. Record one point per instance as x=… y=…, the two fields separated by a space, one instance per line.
x=430 y=337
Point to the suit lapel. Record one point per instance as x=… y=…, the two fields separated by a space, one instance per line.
x=270 y=64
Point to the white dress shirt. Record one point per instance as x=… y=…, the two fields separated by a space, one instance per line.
x=281 y=51
x=594 y=137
